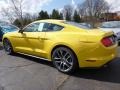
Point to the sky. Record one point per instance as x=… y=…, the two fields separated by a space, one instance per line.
x=33 y=6
x=36 y=5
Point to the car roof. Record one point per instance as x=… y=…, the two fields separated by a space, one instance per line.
x=54 y=21
x=50 y=20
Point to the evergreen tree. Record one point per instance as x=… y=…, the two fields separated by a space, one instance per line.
x=76 y=17
x=46 y=15
x=55 y=14
x=68 y=11
x=61 y=16
x=43 y=15
x=68 y=17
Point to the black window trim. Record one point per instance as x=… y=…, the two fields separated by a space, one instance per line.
x=44 y=23
x=52 y=23
x=29 y=25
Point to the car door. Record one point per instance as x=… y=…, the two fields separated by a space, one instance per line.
x=51 y=32
x=38 y=45
x=29 y=41
x=45 y=34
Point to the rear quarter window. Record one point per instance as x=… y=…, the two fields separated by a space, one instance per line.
x=52 y=27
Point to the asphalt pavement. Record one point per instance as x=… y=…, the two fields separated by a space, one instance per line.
x=20 y=72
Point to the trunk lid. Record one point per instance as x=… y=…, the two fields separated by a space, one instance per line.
x=97 y=35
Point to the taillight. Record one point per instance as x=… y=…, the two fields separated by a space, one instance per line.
x=107 y=41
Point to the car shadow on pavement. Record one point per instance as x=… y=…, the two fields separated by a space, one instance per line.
x=111 y=73
x=37 y=60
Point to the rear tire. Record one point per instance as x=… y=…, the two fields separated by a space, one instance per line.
x=7 y=47
x=64 y=60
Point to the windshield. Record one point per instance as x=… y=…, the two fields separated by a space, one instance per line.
x=9 y=28
x=78 y=25
x=112 y=24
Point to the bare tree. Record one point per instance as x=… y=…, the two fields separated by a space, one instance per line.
x=81 y=10
x=68 y=11
x=15 y=10
x=6 y=13
x=93 y=9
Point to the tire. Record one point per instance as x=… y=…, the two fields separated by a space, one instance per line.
x=64 y=60
x=119 y=43
x=7 y=47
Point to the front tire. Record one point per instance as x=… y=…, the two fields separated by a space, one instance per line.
x=7 y=47
x=64 y=60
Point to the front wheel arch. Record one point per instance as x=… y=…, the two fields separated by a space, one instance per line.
x=12 y=51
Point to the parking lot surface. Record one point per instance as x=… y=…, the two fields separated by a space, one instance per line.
x=20 y=72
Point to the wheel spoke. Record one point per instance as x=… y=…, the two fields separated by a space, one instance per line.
x=63 y=60
x=56 y=58
x=68 y=63
x=61 y=64
x=63 y=67
x=61 y=53
x=58 y=54
x=57 y=62
x=65 y=54
x=68 y=57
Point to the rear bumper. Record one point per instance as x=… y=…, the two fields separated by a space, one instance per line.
x=97 y=62
x=96 y=56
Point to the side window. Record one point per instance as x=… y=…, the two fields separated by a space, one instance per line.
x=41 y=26
x=57 y=28
x=32 y=27
x=45 y=28
x=52 y=27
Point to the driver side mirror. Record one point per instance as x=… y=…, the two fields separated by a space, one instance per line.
x=20 y=31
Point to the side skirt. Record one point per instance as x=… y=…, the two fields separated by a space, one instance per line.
x=34 y=56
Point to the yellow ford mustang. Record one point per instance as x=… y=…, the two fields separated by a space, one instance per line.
x=67 y=44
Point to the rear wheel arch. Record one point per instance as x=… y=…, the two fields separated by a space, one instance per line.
x=75 y=59
x=57 y=46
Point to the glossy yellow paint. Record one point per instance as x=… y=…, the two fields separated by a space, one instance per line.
x=86 y=44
